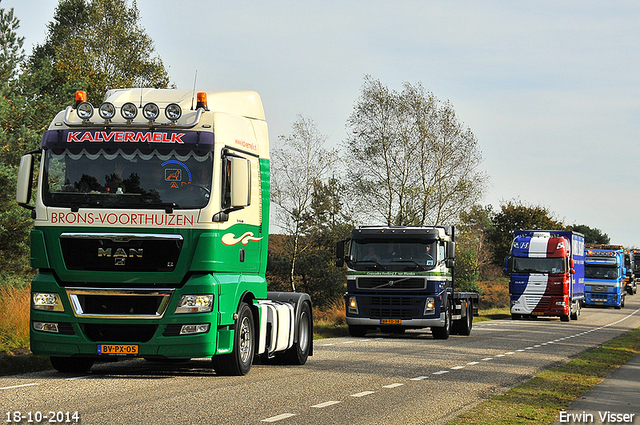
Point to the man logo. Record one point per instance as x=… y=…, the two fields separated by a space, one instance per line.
x=120 y=255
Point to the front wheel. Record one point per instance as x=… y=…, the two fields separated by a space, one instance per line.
x=445 y=331
x=576 y=312
x=238 y=363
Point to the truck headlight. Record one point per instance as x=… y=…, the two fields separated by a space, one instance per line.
x=195 y=329
x=195 y=304
x=430 y=306
x=46 y=327
x=352 y=305
x=46 y=301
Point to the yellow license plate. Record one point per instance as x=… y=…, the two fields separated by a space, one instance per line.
x=390 y=321
x=599 y=303
x=118 y=349
x=537 y=313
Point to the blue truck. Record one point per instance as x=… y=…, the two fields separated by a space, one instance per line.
x=402 y=278
x=605 y=275
x=546 y=269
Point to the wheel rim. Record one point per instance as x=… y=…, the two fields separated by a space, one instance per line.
x=245 y=340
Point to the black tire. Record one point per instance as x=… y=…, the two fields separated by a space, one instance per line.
x=515 y=316
x=564 y=318
x=71 y=364
x=466 y=323
x=298 y=354
x=576 y=314
x=445 y=331
x=238 y=363
x=357 y=331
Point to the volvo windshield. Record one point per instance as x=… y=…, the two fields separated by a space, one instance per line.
x=600 y=272
x=406 y=255
x=127 y=178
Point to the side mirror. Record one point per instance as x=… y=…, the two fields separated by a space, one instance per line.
x=450 y=250
x=339 y=253
x=240 y=182
x=25 y=177
x=505 y=270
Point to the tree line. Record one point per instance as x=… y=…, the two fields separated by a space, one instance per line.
x=407 y=158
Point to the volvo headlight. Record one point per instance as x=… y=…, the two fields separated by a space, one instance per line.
x=46 y=301
x=352 y=305
x=430 y=306
x=195 y=304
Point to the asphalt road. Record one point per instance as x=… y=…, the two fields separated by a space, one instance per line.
x=406 y=379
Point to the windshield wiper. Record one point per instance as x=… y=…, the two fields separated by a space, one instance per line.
x=168 y=207
x=407 y=260
x=76 y=207
x=371 y=261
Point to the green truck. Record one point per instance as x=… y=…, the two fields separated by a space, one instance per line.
x=151 y=226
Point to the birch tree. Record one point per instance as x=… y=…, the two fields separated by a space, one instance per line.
x=298 y=163
x=410 y=161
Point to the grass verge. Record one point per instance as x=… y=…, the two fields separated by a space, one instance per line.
x=540 y=400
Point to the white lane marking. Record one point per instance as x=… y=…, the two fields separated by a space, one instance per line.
x=473 y=363
x=348 y=342
x=419 y=378
x=487 y=359
x=362 y=394
x=441 y=372
x=19 y=386
x=509 y=353
x=326 y=404
x=326 y=345
x=499 y=355
x=396 y=385
x=279 y=417
x=457 y=367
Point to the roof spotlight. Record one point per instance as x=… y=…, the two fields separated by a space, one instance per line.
x=107 y=111
x=151 y=111
x=173 y=111
x=84 y=111
x=129 y=111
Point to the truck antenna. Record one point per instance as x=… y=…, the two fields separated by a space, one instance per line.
x=141 y=97
x=195 y=77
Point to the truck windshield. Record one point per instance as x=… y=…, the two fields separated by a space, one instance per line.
x=126 y=178
x=600 y=272
x=538 y=265
x=398 y=256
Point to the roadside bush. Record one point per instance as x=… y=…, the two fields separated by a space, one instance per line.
x=495 y=293
x=14 y=325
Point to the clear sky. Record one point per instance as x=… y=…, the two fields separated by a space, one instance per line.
x=550 y=88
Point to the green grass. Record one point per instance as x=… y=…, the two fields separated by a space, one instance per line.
x=540 y=400
x=493 y=314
